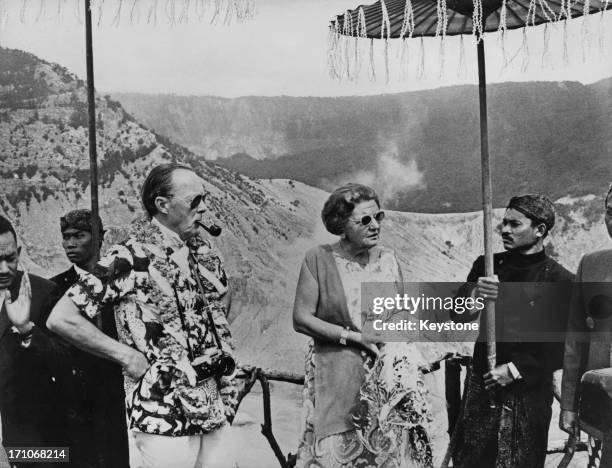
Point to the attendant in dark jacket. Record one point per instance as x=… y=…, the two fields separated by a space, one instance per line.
x=93 y=389
x=531 y=292
x=29 y=401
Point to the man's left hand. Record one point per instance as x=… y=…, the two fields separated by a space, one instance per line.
x=498 y=377
x=18 y=312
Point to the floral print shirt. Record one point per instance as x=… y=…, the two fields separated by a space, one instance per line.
x=146 y=279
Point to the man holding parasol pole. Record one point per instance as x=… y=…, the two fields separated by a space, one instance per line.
x=406 y=19
x=532 y=294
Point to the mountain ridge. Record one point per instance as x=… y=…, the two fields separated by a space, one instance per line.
x=406 y=145
x=268 y=224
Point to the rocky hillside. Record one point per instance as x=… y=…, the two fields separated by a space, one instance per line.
x=551 y=137
x=268 y=224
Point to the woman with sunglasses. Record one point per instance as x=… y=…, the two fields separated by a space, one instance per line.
x=328 y=309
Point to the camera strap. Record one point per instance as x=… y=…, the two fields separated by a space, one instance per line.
x=196 y=274
x=183 y=325
x=194 y=271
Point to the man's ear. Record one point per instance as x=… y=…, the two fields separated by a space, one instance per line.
x=161 y=204
x=541 y=230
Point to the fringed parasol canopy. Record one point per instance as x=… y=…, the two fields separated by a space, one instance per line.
x=387 y=19
x=116 y=12
x=406 y=19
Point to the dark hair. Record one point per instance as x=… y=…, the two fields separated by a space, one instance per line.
x=6 y=226
x=158 y=184
x=341 y=203
x=536 y=207
x=80 y=220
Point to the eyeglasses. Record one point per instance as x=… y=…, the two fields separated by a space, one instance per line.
x=197 y=200
x=367 y=219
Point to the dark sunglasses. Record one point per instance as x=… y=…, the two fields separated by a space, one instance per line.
x=367 y=219
x=197 y=200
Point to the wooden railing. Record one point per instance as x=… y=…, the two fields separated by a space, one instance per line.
x=249 y=375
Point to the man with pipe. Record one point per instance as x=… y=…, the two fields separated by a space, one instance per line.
x=168 y=289
x=507 y=411
x=587 y=348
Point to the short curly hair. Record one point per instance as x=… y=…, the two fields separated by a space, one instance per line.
x=341 y=203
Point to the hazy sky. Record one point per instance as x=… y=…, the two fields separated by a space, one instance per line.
x=282 y=51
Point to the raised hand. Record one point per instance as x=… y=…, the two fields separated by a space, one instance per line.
x=18 y=312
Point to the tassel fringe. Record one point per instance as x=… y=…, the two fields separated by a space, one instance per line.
x=408 y=23
x=385 y=30
x=121 y=11
x=345 y=58
x=461 y=68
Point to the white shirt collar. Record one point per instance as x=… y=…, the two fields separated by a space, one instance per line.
x=168 y=233
x=79 y=270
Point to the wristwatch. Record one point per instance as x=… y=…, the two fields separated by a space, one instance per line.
x=26 y=336
x=344 y=335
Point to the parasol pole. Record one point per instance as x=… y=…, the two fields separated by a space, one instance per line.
x=487 y=217
x=91 y=108
x=487 y=202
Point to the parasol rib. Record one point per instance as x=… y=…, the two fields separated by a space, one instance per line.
x=422 y=9
x=575 y=11
x=465 y=21
x=395 y=21
x=540 y=16
x=430 y=26
x=514 y=13
x=419 y=12
x=452 y=16
x=494 y=19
